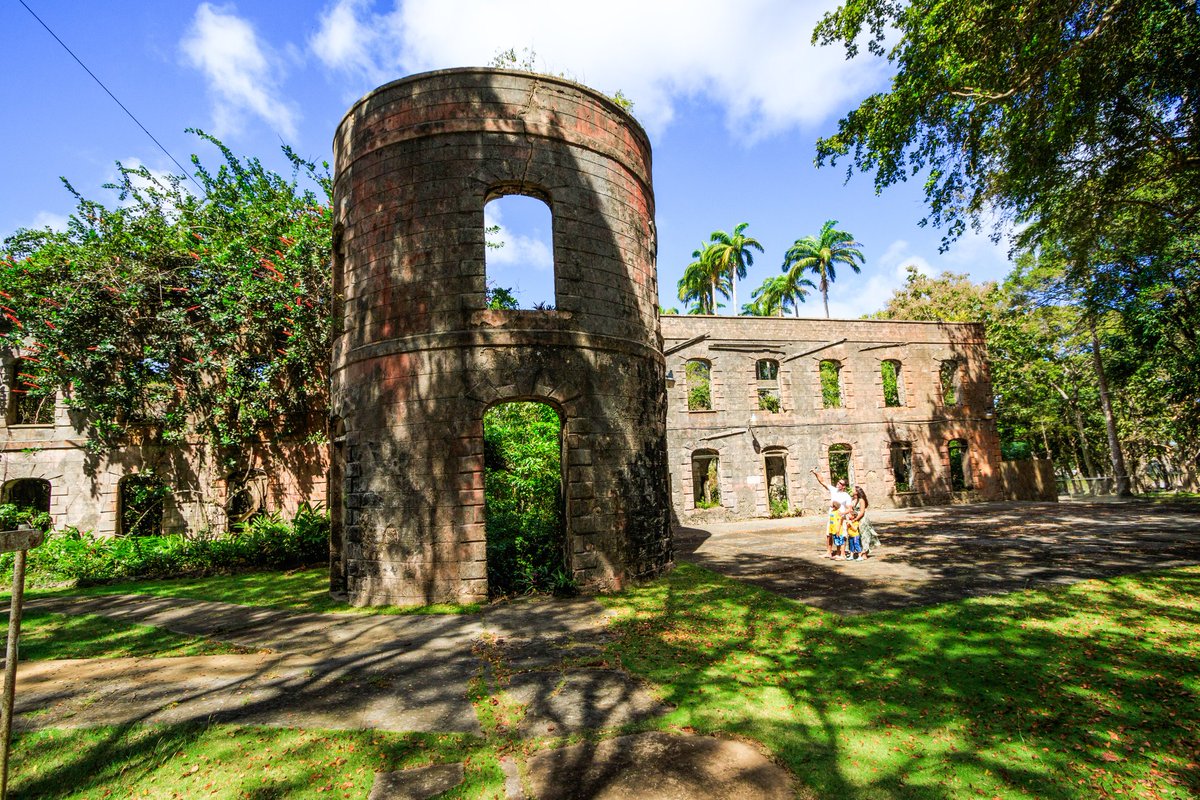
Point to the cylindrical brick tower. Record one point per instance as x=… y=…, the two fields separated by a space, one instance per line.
x=420 y=357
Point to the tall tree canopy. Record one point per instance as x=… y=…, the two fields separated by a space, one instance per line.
x=1063 y=114
x=776 y=295
x=822 y=255
x=172 y=314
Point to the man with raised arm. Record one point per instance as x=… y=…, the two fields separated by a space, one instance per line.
x=840 y=503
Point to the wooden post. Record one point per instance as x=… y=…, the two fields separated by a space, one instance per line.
x=19 y=541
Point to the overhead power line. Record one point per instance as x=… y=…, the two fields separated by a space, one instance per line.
x=113 y=96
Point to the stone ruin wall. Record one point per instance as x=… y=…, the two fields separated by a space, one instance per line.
x=85 y=486
x=420 y=357
x=804 y=429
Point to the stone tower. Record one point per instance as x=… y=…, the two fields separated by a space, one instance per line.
x=419 y=357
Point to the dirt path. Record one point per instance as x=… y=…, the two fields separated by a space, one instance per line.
x=939 y=554
x=336 y=670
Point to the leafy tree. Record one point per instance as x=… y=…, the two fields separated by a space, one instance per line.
x=172 y=314
x=733 y=253
x=821 y=255
x=498 y=297
x=1066 y=111
x=948 y=297
x=1042 y=365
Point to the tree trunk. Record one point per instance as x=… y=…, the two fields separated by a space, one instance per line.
x=1110 y=421
x=733 y=289
x=713 y=310
x=1079 y=427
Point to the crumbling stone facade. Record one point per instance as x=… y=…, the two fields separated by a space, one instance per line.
x=421 y=357
x=85 y=485
x=775 y=422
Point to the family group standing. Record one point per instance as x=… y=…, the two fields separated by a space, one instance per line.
x=849 y=536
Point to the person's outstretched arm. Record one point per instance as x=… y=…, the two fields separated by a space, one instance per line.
x=820 y=480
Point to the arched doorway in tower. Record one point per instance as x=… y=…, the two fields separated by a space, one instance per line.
x=523 y=446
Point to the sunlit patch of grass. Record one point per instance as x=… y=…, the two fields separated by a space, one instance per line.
x=170 y=761
x=1067 y=693
x=296 y=590
x=46 y=635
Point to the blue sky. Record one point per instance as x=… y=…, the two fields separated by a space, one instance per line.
x=732 y=95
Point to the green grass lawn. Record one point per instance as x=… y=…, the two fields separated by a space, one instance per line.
x=296 y=590
x=1082 y=692
x=46 y=635
x=225 y=761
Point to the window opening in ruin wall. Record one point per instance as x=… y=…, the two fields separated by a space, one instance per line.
x=27 y=493
x=766 y=373
x=706 y=479
x=840 y=466
x=519 y=253
x=698 y=374
x=778 y=501
x=902 y=465
x=831 y=383
x=951 y=382
x=960 y=471
x=25 y=407
x=523 y=498
x=140 y=500
x=893 y=383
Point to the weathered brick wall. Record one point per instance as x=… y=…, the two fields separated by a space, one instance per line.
x=742 y=434
x=420 y=357
x=1029 y=479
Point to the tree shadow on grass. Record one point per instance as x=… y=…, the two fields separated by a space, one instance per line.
x=1056 y=694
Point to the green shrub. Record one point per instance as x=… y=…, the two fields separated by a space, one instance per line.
x=11 y=516
x=267 y=542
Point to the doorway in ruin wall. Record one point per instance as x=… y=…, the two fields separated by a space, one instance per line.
x=524 y=446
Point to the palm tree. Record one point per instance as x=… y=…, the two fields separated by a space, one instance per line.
x=821 y=254
x=702 y=280
x=776 y=295
x=731 y=252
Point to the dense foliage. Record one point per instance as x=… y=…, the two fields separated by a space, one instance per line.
x=1065 y=113
x=523 y=489
x=267 y=542
x=172 y=313
x=1043 y=373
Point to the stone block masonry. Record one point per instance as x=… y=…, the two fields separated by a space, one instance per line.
x=421 y=358
x=900 y=453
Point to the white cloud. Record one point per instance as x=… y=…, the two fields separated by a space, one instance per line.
x=49 y=219
x=752 y=57
x=239 y=69
x=517 y=250
x=343 y=41
x=897 y=258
